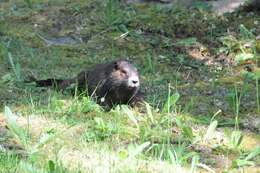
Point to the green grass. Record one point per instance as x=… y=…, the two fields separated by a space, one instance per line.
x=121 y=135
x=8 y=162
x=193 y=113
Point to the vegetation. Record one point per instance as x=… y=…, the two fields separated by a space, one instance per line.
x=199 y=71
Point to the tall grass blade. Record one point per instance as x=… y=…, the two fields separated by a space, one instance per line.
x=130 y=115
x=211 y=130
x=16 y=67
x=149 y=112
x=25 y=167
x=139 y=149
x=17 y=131
x=171 y=102
x=194 y=163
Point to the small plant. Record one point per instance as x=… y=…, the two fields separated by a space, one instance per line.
x=111 y=11
x=55 y=104
x=171 y=101
x=246 y=159
x=23 y=135
x=234 y=139
x=234 y=99
x=130 y=115
x=15 y=130
x=163 y=151
x=150 y=63
x=175 y=160
x=3 y=51
x=194 y=164
x=187 y=42
x=15 y=67
x=8 y=162
x=211 y=130
x=29 y=3
x=245 y=33
x=26 y=167
x=185 y=130
x=101 y=130
x=136 y=150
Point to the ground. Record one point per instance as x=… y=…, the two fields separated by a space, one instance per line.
x=198 y=70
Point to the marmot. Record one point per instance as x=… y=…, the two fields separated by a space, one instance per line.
x=111 y=83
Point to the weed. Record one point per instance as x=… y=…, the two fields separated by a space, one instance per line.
x=23 y=135
x=186 y=131
x=29 y=3
x=170 y=104
x=8 y=162
x=234 y=139
x=150 y=64
x=210 y=131
x=15 y=67
x=17 y=131
x=100 y=131
x=246 y=159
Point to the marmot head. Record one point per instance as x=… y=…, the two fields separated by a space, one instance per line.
x=125 y=75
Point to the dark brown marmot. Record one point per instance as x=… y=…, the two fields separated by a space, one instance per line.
x=111 y=83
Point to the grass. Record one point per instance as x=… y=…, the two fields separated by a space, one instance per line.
x=67 y=143
x=194 y=119
x=8 y=162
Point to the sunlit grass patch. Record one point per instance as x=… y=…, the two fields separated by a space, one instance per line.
x=8 y=162
x=72 y=136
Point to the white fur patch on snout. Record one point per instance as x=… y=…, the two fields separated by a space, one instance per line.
x=133 y=82
x=102 y=100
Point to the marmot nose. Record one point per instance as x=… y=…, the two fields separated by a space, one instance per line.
x=135 y=81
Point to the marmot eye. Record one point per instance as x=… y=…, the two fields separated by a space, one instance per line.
x=123 y=71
